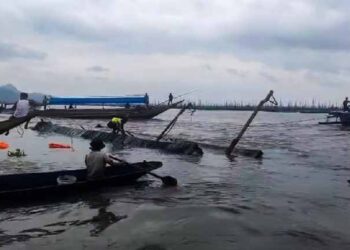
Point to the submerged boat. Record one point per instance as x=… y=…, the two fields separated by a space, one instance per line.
x=12 y=123
x=120 y=141
x=49 y=184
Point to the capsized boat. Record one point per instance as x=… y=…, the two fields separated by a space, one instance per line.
x=44 y=185
x=119 y=141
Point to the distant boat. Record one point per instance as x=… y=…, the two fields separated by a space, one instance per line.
x=343 y=116
x=133 y=107
x=337 y=117
x=134 y=113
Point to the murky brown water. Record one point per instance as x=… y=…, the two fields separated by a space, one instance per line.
x=296 y=197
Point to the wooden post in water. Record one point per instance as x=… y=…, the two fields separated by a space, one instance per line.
x=245 y=127
x=172 y=123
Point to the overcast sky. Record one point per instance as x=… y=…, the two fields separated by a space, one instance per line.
x=226 y=50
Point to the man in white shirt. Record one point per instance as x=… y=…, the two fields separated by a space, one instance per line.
x=22 y=106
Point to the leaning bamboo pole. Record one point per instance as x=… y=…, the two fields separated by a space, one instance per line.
x=245 y=127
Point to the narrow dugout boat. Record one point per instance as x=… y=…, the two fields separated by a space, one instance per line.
x=12 y=123
x=37 y=186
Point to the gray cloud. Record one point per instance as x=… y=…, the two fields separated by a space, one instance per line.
x=10 y=51
x=268 y=77
x=97 y=68
x=236 y=72
x=207 y=67
x=282 y=39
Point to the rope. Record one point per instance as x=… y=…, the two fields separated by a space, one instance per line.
x=20 y=130
x=287 y=123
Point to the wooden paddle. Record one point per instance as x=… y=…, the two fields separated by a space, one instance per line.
x=167 y=180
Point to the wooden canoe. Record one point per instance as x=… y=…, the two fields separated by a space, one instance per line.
x=12 y=123
x=43 y=185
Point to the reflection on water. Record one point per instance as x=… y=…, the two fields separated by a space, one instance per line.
x=297 y=196
x=98 y=222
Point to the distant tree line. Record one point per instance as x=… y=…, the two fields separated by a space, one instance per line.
x=313 y=107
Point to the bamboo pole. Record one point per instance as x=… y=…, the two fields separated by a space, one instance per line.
x=173 y=121
x=245 y=127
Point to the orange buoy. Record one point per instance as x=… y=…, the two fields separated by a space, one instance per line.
x=4 y=145
x=59 y=145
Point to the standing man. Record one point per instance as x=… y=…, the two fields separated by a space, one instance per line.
x=345 y=104
x=45 y=99
x=146 y=100
x=171 y=97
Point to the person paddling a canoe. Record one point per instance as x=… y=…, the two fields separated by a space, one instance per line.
x=117 y=124
x=22 y=108
x=96 y=161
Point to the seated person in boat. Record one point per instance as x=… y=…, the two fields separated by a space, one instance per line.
x=22 y=108
x=345 y=104
x=96 y=161
x=117 y=124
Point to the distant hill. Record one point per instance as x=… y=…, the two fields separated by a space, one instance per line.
x=10 y=94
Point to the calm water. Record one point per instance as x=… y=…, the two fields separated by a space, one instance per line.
x=296 y=197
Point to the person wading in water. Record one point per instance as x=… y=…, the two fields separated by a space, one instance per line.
x=117 y=124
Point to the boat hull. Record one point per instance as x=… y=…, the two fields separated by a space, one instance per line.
x=137 y=113
x=45 y=185
x=343 y=116
x=12 y=123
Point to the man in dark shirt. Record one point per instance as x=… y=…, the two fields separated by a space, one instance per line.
x=171 y=97
x=345 y=105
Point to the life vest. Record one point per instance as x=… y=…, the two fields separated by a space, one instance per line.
x=116 y=120
x=59 y=145
x=4 y=145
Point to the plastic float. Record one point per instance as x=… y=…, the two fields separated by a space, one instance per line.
x=4 y=145
x=59 y=145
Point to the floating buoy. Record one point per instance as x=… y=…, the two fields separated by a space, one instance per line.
x=59 y=145
x=4 y=145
